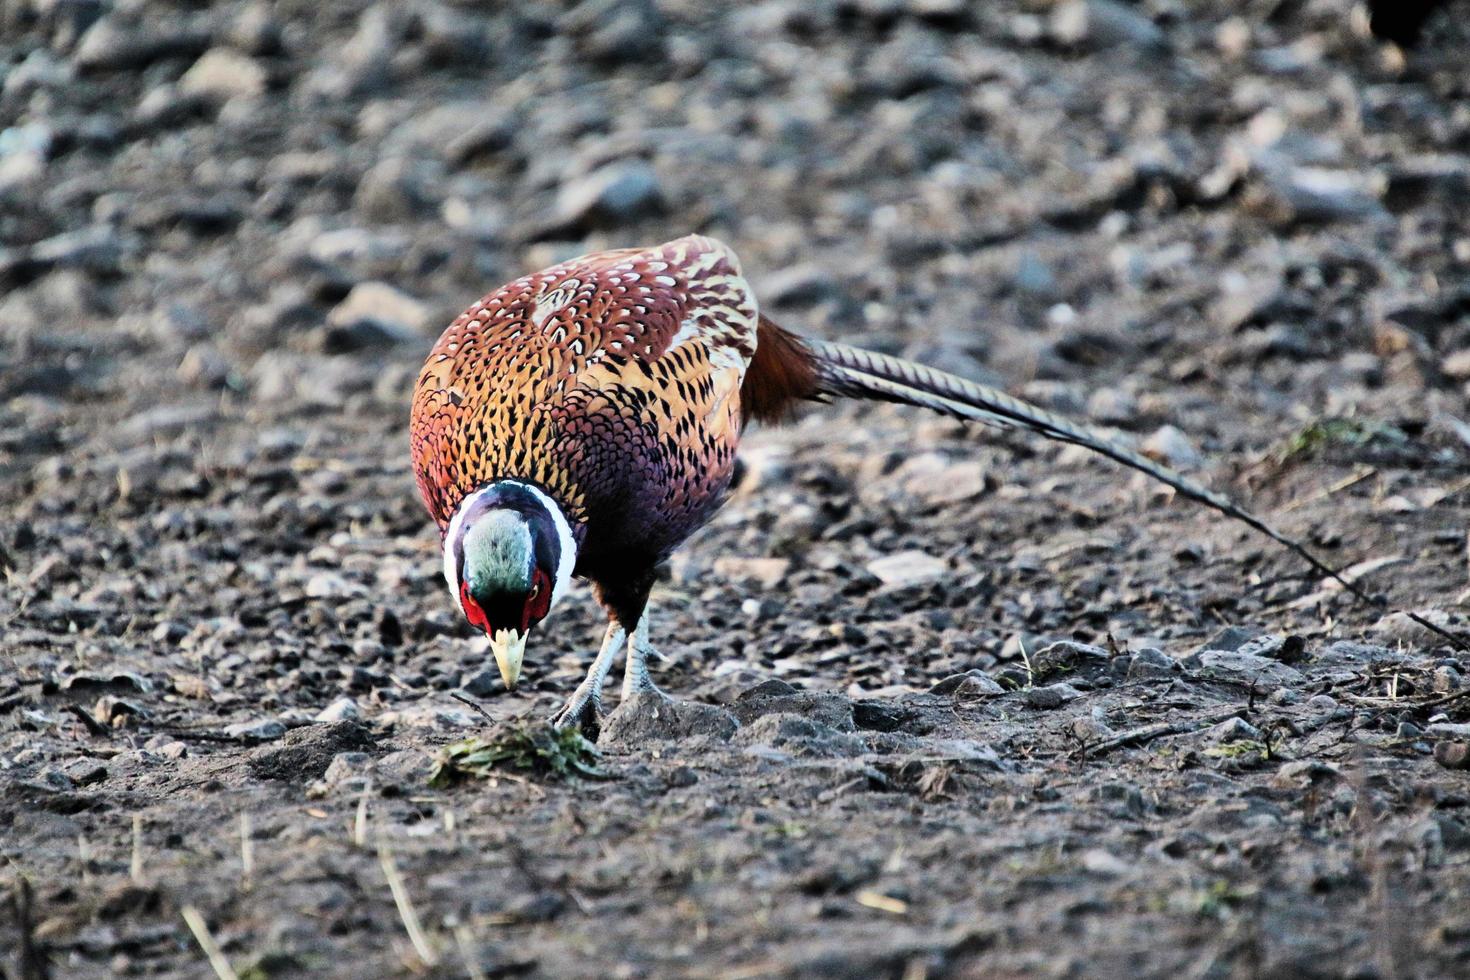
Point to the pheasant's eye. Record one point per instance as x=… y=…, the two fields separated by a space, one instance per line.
x=536 y=589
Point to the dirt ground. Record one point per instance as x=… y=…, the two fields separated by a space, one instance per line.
x=973 y=706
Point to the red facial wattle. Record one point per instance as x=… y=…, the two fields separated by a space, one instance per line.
x=538 y=603
x=472 y=610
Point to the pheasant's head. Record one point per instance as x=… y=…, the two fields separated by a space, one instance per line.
x=508 y=556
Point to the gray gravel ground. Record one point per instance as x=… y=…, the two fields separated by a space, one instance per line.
x=1002 y=709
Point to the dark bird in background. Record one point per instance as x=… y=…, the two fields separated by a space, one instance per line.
x=583 y=421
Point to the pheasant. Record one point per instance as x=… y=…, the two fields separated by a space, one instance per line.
x=583 y=421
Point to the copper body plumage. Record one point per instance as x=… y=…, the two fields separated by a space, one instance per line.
x=605 y=397
x=611 y=381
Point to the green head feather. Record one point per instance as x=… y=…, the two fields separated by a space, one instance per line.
x=498 y=554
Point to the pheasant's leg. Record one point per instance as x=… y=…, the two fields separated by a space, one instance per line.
x=586 y=701
x=635 y=675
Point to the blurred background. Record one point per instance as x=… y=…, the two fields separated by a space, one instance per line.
x=276 y=205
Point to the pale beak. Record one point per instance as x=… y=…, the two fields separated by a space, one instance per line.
x=509 y=646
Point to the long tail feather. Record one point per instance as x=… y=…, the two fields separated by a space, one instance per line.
x=855 y=373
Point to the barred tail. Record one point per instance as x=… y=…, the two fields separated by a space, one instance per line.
x=854 y=373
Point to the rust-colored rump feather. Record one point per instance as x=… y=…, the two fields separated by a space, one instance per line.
x=782 y=373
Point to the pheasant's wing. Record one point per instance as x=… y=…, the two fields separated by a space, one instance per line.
x=615 y=363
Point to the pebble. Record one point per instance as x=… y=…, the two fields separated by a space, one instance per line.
x=348 y=770
x=937 y=480
x=970 y=684
x=1452 y=755
x=85 y=772
x=391 y=191
x=481 y=683
x=1321 y=704
x=907 y=568
x=1456 y=365
x=766 y=572
x=261 y=730
x=1100 y=862
x=759 y=609
x=1245 y=668
x=1398 y=628
x=383 y=309
x=1233 y=730
x=255 y=30
x=1112 y=406
x=1069 y=657
x=614 y=194
x=1149 y=663
x=1051 y=696
x=342 y=709
x=111 y=44
x=1169 y=445
x=1098 y=24
x=222 y=73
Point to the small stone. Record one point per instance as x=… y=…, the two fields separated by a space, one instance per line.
x=347 y=767
x=1315 y=195
x=391 y=312
x=1446 y=679
x=937 y=480
x=54 y=780
x=1100 y=862
x=341 y=709
x=1321 y=704
x=1151 y=664
x=1172 y=447
x=767 y=572
x=1112 y=406
x=1230 y=638
x=116 y=680
x=1452 y=755
x=1070 y=658
x=1304 y=771
x=481 y=683
x=390 y=191
x=1098 y=24
x=907 y=568
x=1034 y=277
x=609 y=196
x=1397 y=627
x=112 y=43
x=222 y=73
x=1051 y=696
x=1456 y=365
x=261 y=730
x=254 y=30
x=968 y=686
x=1233 y=730
x=1244 y=668
x=85 y=772
x=759 y=609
